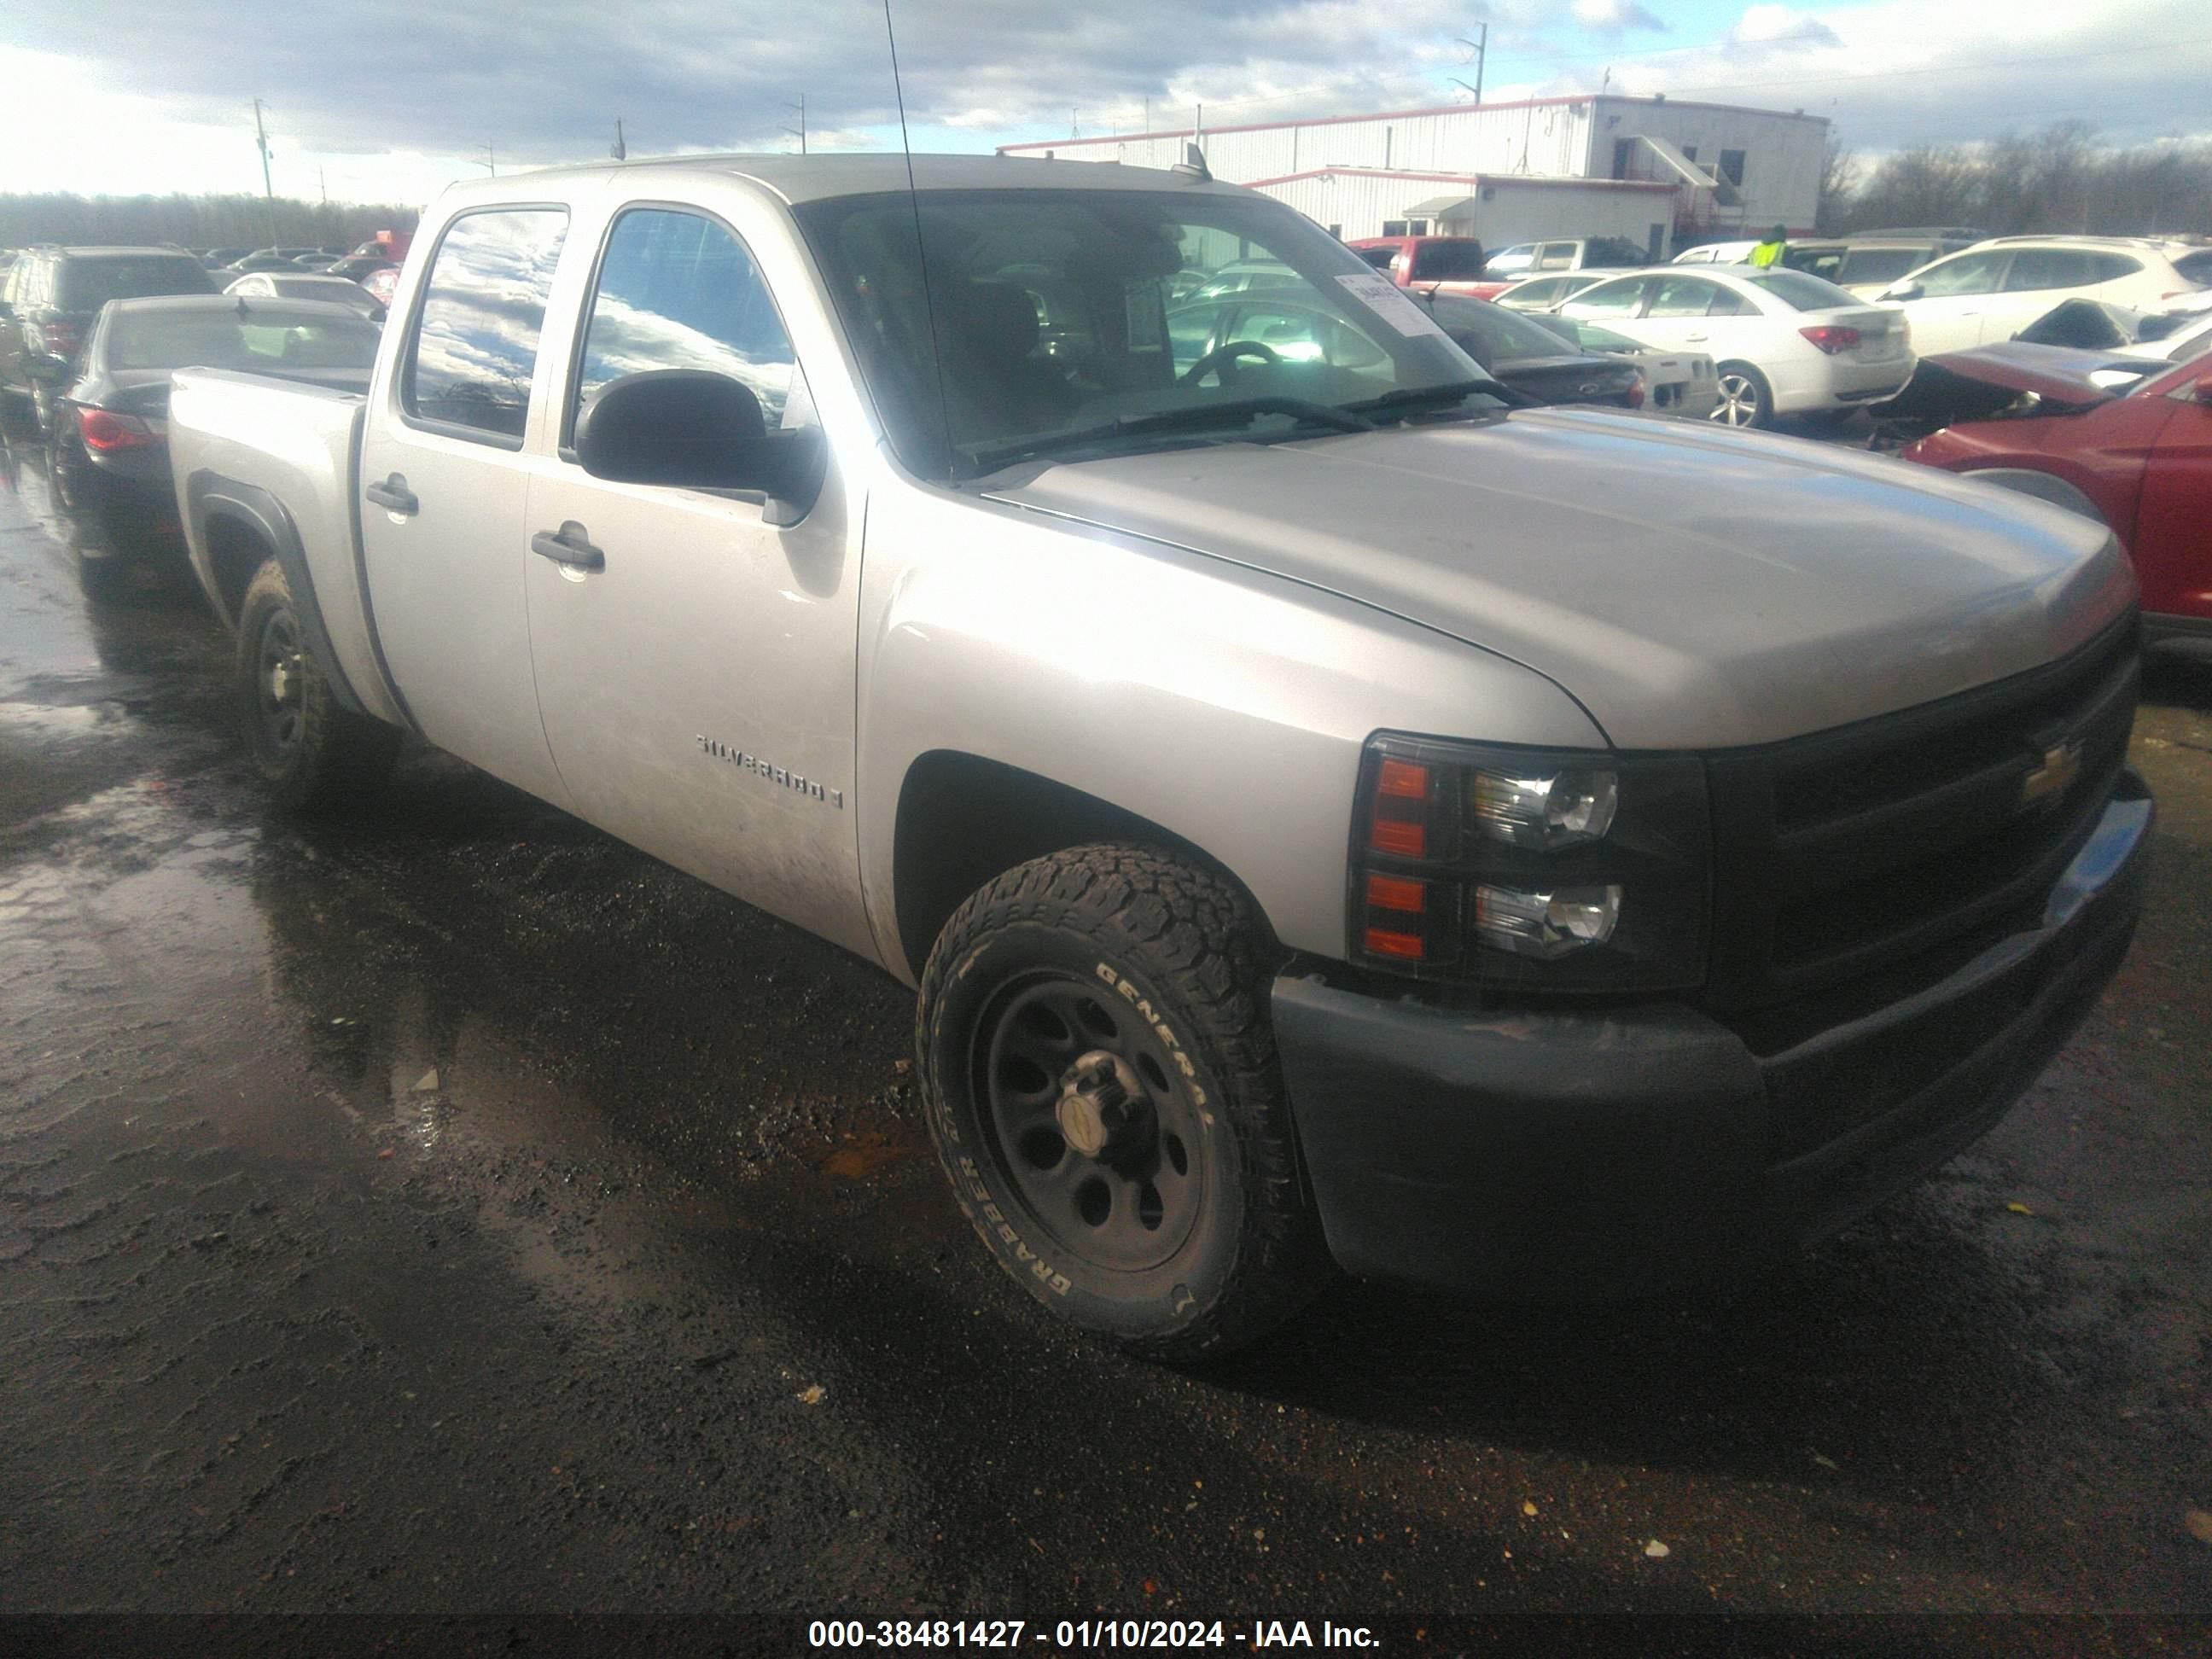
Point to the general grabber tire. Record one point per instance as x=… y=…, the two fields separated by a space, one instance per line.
x=313 y=755
x=1102 y=1085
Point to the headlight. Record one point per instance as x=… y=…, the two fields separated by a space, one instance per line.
x=1538 y=869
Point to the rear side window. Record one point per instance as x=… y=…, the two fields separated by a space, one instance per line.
x=474 y=350
x=678 y=291
x=2034 y=268
x=1448 y=262
x=1683 y=296
x=1379 y=258
x=87 y=284
x=2196 y=267
x=2111 y=267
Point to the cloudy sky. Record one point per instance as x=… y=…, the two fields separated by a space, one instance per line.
x=390 y=100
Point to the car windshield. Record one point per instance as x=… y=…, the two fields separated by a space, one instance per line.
x=1800 y=292
x=87 y=284
x=264 y=338
x=1490 y=334
x=1049 y=320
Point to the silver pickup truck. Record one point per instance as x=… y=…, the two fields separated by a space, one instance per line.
x=1334 y=816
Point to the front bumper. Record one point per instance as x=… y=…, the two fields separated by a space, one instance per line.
x=1594 y=1154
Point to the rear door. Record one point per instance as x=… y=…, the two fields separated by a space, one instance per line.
x=445 y=480
x=1679 y=316
x=698 y=684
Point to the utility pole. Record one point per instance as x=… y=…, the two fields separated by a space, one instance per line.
x=268 y=190
x=1147 y=127
x=490 y=159
x=323 y=184
x=621 y=151
x=1073 y=131
x=799 y=131
x=1480 y=47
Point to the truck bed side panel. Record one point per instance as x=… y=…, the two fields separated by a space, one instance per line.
x=300 y=444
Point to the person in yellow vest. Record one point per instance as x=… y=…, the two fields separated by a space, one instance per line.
x=1769 y=252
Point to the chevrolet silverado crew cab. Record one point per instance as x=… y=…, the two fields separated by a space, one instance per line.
x=1334 y=815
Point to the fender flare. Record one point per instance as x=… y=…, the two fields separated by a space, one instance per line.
x=210 y=497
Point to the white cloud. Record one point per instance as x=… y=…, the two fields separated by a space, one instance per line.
x=1764 y=26
x=1613 y=16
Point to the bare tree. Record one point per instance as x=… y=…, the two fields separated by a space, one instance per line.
x=1839 y=184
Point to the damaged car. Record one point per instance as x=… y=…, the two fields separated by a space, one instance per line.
x=2118 y=435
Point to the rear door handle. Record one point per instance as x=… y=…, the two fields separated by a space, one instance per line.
x=569 y=545
x=393 y=494
x=1693 y=337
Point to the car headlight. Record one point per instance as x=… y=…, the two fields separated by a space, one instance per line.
x=1564 y=870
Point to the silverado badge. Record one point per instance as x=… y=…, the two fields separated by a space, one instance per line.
x=2053 y=775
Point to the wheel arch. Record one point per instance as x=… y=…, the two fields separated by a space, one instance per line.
x=963 y=819
x=241 y=525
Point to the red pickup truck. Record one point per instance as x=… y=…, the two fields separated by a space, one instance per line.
x=1435 y=265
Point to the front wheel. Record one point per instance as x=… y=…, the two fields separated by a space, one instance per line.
x=313 y=755
x=1103 y=1089
x=1746 y=399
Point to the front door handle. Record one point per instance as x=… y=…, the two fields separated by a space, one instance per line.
x=569 y=545
x=1693 y=337
x=393 y=494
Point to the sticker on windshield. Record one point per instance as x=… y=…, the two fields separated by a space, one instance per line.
x=1388 y=300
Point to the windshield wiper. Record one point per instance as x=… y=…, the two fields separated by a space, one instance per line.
x=1407 y=400
x=1237 y=411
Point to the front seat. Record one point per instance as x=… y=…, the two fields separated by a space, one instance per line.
x=1009 y=388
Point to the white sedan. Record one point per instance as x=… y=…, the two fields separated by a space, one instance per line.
x=1783 y=342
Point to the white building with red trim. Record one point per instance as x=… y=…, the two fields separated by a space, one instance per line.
x=1651 y=170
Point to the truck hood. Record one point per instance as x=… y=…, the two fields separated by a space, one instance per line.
x=1691 y=586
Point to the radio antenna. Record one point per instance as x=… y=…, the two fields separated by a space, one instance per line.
x=921 y=248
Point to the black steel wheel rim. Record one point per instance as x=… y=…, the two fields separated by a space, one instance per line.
x=1131 y=1206
x=278 y=687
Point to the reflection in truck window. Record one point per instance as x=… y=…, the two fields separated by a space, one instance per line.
x=475 y=348
x=677 y=290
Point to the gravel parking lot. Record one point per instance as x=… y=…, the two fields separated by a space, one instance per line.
x=455 y=1210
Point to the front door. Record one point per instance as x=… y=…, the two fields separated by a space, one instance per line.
x=1955 y=294
x=444 y=485
x=697 y=680
x=2172 y=544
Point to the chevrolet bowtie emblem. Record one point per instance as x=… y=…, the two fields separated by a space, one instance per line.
x=2059 y=767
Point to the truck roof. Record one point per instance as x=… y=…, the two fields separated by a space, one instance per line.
x=798 y=178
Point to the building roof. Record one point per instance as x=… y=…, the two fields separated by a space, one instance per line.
x=1469 y=180
x=1661 y=102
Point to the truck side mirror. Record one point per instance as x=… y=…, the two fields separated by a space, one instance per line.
x=688 y=428
x=1902 y=291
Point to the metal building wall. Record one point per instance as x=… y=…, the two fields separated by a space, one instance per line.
x=1357 y=205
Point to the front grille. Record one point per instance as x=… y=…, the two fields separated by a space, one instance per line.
x=1842 y=855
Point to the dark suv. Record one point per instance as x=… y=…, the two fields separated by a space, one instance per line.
x=53 y=294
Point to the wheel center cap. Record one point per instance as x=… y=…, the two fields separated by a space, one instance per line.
x=280 y=679
x=1102 y=1104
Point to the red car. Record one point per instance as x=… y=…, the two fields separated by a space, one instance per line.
x=2141 y=461
x=1435 y=265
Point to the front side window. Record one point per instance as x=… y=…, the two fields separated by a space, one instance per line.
x=1682 y=296
x=1616 y=298
x=677 y=290
x=1970 y=273
x=474 y=351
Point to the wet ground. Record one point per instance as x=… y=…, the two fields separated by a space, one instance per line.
x=454 y=1210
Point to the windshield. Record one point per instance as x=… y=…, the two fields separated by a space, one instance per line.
x=1492 y=334
x=1055 y=312
x=88 y=284
x=266 y=340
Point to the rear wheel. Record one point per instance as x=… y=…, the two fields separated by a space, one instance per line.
x=1746 y=399
x=313 y=755
x=1103 y=1092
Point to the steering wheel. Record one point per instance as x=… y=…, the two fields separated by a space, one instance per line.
x=1222 y=360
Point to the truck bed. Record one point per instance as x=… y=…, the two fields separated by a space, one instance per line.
x=300 y=446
